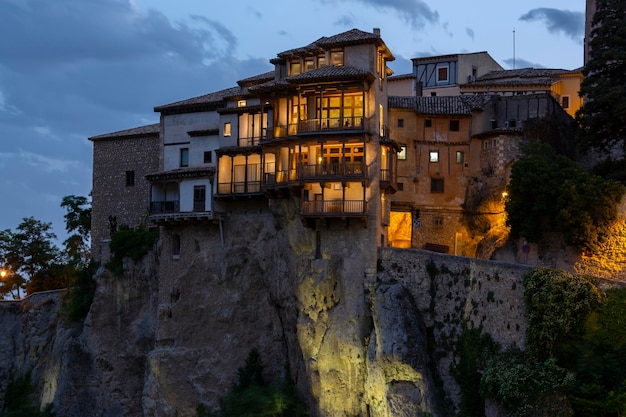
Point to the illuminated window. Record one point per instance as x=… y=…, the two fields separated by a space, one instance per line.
x=460 y=157
x=184 y=157
x=309 y=64
x=402 y=153
x=321 y=60
x=294 y=67
x=336 y=58
x=241 y=103
x=442 y=73
x=433 y=156
x=436 y=185
x=227 y=129
x=454 y=125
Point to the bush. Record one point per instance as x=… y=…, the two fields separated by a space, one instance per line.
x=79 y=295
x=131 y=243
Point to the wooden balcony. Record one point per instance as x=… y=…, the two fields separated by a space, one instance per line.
x=235 y=189
x=326 y=171
x=167 y=212
x=328 y=209
x=307 y=126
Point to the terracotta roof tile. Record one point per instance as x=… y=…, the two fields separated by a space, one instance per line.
x=350 y=37
x=330 y=72
x=212 y=98
x=399 y=102
x=256 y=79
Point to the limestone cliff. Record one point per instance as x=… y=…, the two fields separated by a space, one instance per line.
x=361 y=331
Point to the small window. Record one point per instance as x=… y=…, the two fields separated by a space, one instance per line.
x=436 y=185
x=442 y=74
x=460 y=157
x=400 y=186
x=402 y=153
x=130 y=178
x=565 y=102
x=428 y=123
x=208 y=157
x=433 y=94
x=433 y=156
x=241 y=103
x=309 y=64
x=227 y=129
x=184 y=157
x=321 y=60
x=454 y=125
x=336 y=58
x=400 y=122
x=176 y=246
x=438 y=221
x=294 y=67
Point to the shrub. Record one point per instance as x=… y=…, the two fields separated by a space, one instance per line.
x=131 y=243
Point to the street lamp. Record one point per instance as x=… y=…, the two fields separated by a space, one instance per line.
x=3 y=273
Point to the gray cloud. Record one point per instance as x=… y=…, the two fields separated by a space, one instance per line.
x=570 y=23
x=518 y=63
x=81 y=68
x=470 y=32
x=415 y=12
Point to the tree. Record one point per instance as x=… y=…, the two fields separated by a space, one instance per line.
x=78 y=226
x=603 y=115
x=26 y=254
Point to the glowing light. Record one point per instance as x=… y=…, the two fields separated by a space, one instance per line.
x=3 y=273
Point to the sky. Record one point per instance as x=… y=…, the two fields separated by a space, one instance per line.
x=73 y=69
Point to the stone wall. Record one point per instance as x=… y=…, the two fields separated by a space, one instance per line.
x=112 y=158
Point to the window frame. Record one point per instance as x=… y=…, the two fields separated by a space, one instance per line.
x=130 y=178
x=454 y=125
x=228 y=129
x=437 y=185
x=402 y=153
x=433 y=156
x=438 y=69
x=183 y=155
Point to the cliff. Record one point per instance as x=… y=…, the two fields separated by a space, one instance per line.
x=361 y=331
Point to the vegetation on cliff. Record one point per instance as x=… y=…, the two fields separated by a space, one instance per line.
x=550 y=192
x=130 y=243
x=575 y=359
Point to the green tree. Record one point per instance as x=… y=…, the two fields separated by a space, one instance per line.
x=549 y=192
x=603 y=114
x=26 y=254
x=78 y=227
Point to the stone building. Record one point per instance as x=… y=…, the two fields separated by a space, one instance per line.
x=120 y=191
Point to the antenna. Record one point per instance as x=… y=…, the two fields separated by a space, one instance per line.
x=513 y=48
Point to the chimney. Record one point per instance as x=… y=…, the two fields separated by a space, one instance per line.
x=377 y=31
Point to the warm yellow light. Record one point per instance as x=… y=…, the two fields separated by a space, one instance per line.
x=505 y=194
x=3 y=273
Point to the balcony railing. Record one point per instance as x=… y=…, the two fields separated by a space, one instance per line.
x=334 y=207
x=346 y=169
x=316 y=125
x=157 y=207
x=238 y=187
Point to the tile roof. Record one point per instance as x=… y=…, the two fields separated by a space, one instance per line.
x=440 y=105
x=350 y=37
x=216 y=99
x=330 y=72
x=256 y=79
x=523 y=76
x=148 y=130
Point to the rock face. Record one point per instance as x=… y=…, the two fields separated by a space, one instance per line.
x=361 y=331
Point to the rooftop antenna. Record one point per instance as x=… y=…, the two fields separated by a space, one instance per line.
x=513 y=48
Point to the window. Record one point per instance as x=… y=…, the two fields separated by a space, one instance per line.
x=442 y=73
x=454 y=125
x=184 y=157
x=460 y=157
x=336 y=58
x=130 y=178
x=176 y=246
x=436 y=185
x=400 y=186
x=433 y=94
x=321 y=61
x=227 y=129
x=438 y=221
x=208 y=157
x=294 y=67
x=199 y=198
x=402 y=153
x=433 y=156
x=428 y=123
x=400 y=122
x=241 y=103
x=309 y=64
x=565 y=102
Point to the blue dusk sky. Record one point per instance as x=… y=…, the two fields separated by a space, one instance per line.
x=72 y=69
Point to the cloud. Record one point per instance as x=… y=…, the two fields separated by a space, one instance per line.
x=518 y=63
x=470 y=32
x=415 y=12
x=570 y=23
